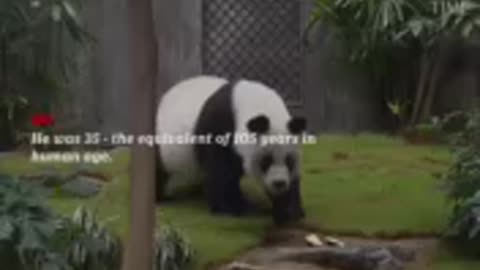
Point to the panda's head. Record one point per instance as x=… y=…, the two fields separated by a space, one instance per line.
x=275 y=157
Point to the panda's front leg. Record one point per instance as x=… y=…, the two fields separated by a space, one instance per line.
x=223 y=183
x=288 y=207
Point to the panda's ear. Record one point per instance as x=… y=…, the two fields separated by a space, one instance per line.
x=297 y=125
x=259 y=124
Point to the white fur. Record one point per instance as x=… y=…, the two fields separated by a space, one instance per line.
x=177 y=114
x=250 y=100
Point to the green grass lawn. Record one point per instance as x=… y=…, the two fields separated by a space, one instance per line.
x=364 y=184
x=374 y=185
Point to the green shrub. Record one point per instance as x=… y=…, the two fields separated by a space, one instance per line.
x=463 y=177
x=88 y=243
x=32 y=237
x=172 y=251
x=463 y=185
x=26 y=227
x=464 y=228
x=425 y=133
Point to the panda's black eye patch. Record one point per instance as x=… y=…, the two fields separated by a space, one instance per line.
x=290 y=162
x=266 y=162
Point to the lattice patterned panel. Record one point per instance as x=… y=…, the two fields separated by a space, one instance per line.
x=255 y=39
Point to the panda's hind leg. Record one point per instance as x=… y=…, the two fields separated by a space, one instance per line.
x=161 y=179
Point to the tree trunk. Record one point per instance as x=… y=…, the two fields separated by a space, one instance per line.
x=432 y=86
x=143 y=58
x=421 y=85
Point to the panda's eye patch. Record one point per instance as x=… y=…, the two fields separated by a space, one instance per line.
x=266 y=162
x=290 y=162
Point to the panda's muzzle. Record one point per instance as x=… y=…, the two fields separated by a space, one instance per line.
x=277 y=180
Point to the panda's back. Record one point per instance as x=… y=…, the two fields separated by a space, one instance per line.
x=178 y=114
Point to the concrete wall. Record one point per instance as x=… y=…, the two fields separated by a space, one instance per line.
x=100 y=94
x=179 y=31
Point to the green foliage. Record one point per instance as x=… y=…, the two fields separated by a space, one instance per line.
x=463 y=183
x=90 y=245
x=465 y=225
x=27 y=227
x=374 y=27
x=463 y=177
x=400 y=44
x=38 y=44
x=34 y=238
x=426 y=133
x=172 y=251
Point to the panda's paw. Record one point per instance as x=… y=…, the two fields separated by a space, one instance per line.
x=288 y=216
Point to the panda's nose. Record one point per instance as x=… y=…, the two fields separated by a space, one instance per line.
x=280 y=185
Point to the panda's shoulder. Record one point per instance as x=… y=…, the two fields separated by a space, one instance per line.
x=190 y=91
x=254 y=97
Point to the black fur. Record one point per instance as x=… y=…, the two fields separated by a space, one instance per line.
x=223 y=166
x=297 y=125
x=161 y=177
x=288 y=207
x=259 y=124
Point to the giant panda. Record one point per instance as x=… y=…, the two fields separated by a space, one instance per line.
x=213 y=105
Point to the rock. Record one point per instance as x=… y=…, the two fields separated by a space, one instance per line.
x=82 y=186
x=243 y=266
x=403 y=254
x=382 y=259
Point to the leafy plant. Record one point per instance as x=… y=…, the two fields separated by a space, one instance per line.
x=172 y=251
x=398 y=109
x=463 y=185
x=90 y=245
x=32 y=237
x=455 y=122
x=463 y=177
x=38 y=44
x=464 y=227
x=405 y=37
x=26 y=227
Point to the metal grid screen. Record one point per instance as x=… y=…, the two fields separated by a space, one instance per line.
x=255 y=39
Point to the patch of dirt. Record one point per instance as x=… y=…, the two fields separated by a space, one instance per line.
x=340 y=156
x=435 y=161
x=287 y=249
x=314 y=171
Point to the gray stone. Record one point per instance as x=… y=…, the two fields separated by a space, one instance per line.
x=82 y=186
